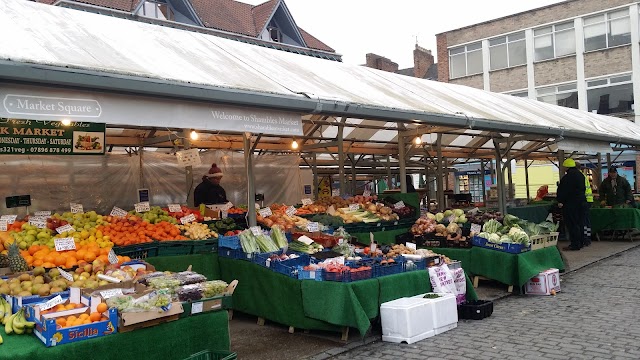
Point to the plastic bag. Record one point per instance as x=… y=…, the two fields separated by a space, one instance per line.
x=460 y=280
x=442 y=280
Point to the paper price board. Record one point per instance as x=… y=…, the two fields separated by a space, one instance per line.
x=142 y=207
x=106 y=294
x=313 y=227
x=335 y=192
x=10 y=219
x=354 y=207
x=65 y=275
x=3 y=225
x=196 y=307
x=65 y=228
x=188 y=219
x=291 y=211
x=65 y=244
x=307 y=201
x=76 y=208
x=412 y=246
x=224 y=214
x=51 y=303
x=40 y=224
x=399 y=205
x=256 y=230
x=266 y=212
x=475 y=228
x=45 y=214
x=189 y=157
x=366 y=193
x=113 y=258
x=117 y=212
x=175 y=208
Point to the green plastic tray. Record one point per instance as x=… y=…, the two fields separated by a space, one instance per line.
x=205 y=246
x=138 y=251
x=169 y=248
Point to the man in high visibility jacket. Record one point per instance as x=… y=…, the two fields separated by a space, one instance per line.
x=588 y=193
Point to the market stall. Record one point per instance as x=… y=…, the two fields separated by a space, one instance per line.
x=623 y=219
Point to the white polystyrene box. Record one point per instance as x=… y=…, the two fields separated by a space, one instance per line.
x=445 y=311
x=406 y=319
x=545 y=283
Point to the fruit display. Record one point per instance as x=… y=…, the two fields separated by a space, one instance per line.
x=127 y=303
x=14 y=323
x=197 y=231
x=30 y=284
x=443 y=217
x=311 y=209
x=279 y=217
x=79 y=319
x=367 y=213
x=155 y=215
x=424 y=225
x=185 y=211
x=338 y=202
x=16 y=262
x=133 y=230
x=42 y=255
x=207 y=289
x=224 y=225
x=236 y=211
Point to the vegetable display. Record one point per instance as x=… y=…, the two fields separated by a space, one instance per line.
x=424 y=225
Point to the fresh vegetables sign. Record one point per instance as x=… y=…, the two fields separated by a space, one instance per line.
x=31 y=137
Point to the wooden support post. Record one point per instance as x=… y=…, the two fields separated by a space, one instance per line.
x=345 y=333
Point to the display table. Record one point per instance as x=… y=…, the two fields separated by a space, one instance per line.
x=174 y=340
x=535 y=213
x=206 y=264
x=614 y=219
x=318 y=305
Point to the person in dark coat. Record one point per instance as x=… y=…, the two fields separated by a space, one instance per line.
x=615 y=190
x=410 y=188
x=209 y=191
x=571 y=199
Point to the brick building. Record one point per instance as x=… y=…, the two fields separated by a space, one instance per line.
x=424 y=66
x=583 y=54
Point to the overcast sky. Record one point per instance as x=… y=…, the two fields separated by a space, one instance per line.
x=389 y=28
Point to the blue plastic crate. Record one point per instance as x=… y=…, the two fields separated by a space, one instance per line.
x=360 y=275
x=336 y=276
x=234 y=254
x=263 y=259
x=316 y=275
x=229 y=242
x=413 y=265
x=504 y=247
x=388 y=269
x=290 y=267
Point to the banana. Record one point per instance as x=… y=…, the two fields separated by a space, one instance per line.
x=8 y=327
x=18 y=322
x=2 y=301
x=7 y=312
x=1 y=340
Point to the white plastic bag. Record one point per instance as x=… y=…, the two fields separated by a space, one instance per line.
x=460 y=280
x=442 y=279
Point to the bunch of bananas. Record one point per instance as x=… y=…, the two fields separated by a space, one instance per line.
x=14 y=323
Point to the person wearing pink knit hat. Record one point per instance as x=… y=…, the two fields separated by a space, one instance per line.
x=209 y=191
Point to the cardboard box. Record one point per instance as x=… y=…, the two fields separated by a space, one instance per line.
x=74 y=297
x=138 y=320
x=5 y=271
x=221 y=302
x=544 y=283
x=127 y=287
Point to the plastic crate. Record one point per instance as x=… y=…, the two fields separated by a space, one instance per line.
x=290 y=267
x=316 y=275
x=263 y=259
x=170 y=248
x=336 y=276
x=138 y=251
x=359 y=275
x=213 y=355
x=384 y=270
x=205 y=246
x=538 y=241
x=552 y=240
x=505 y=247
x=229 y=242
x=413 y=265
x=234 y=254
x=475 y=310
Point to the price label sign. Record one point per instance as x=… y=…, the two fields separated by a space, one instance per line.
x=196 y=307
x=76 y=208
x=354 y=207
x=266 y=212
x=3 y=225
x=10 y=219
x=113 y=258
x=411 y=246
x=142 y=207
x=51 y=303
x=366 y=193
x=188 y=219
x=373 y=247
x=106 y=294
x=475 y=228
x=224 y=214
x=291 y=211
x=335 y=192
x=65 y=228
x=399 y=205
x=38 y=222
x=175 y=208
x=65 y=244
x=65 y=275
x=307 y=201
x=45 y=214
x=117 y=212
x=313 y=227
x=256 y=230
x=452 y=219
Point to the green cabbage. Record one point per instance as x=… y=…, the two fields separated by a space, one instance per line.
x=458 y=212
x=448 y=213
x=505 y=239
x=462 y=219
x=494 y=238
x=491 y=226
x=439 y=217
x=510 y=220
x=431 y=216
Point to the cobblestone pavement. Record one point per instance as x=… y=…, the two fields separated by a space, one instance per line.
x=595 y=316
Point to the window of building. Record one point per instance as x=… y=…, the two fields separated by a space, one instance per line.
x=465 y=60
x=520 y=93
x=158 y=9
x=613 y=95
x=563 y=95
x=554 y=41
x=508 y=51
x=275 y=34
x=607 y=30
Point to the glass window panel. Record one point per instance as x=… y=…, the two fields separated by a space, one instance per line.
x=517 y=53
x=543 y=47
x=457 y=50
x=569 y=100
x=611 y=99
x=597 y=83
x=595 y=37
x=498 y=41
x=619 y=13
x=619 y=32
x=474 y=62
x=474 y=46
x=516 y=36
x=618 y=79
x=523 y=94
x=549 y=99
x=565 y=43
x=564 y=26
x=548 y=90
x=498 y=56
x=594 y=20
x=458 y=66
x=542 y=31
x=567 y=87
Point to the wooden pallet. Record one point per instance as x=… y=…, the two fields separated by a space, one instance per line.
x=477 y=279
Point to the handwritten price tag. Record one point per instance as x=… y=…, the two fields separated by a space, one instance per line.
x=64 y=244
x=366 y=193
x=106 y=294
x=142 y=207
x=266 y=212
x=113 y=258
x=117 y=212
x=46 y=214
x=188 y=219
x=335 y=192
x=38 y=222
x=313 y=227
x=399 y=205
x=354 y=207
x=3 y=225
x=452 y=219
x=65 y=275
x=224 y=214
x=291 y=211
x=10 y=219
x=307 y=201
x=411 y=246
x=175 y=208
x=196 y=307
x=475 y=228
x=65 y=228
x=51 y=303
x=256 y=230
x=76 y=208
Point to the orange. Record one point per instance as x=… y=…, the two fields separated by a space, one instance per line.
x=50 y=258
x=59 y=260
x=71 y=319
x=79 y=306
x=80 y=254
x=70 y=306
x=48 y=265
x=89 y=257
x=33 y=249
x=29 y=259
x=102 y=307
x=84 y=322
x=38 y=262
x=61 y=321
x=83 y=316
x=96 y=316
x=70 y=263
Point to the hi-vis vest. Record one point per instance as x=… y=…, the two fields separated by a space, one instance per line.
x=588 y=193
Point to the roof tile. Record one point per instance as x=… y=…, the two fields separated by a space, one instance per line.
x=227 y=15
x=262 y=13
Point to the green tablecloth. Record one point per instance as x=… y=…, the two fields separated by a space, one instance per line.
x=319 y=305
x=206 y=264
x=174 y=340
x=614 y=219
x=462 y=255
x=382 y=237
x=533 y=213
